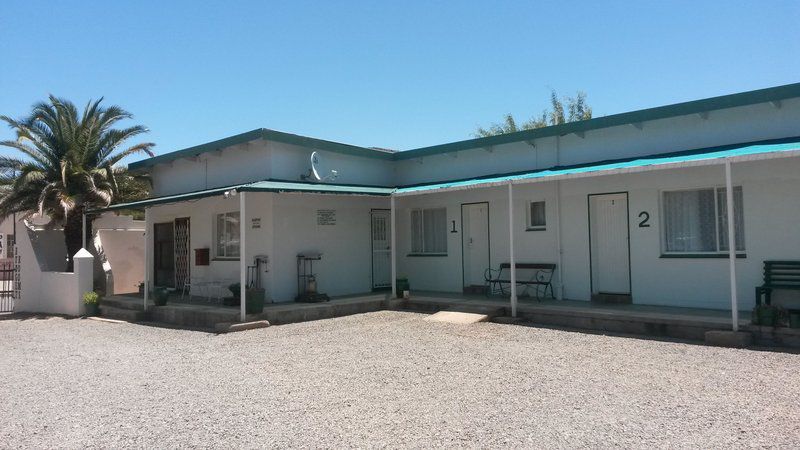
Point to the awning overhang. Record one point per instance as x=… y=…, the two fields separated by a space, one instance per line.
x=709 y=156
x=259 y=186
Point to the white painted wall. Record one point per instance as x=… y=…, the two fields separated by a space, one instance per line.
x=119 y=245
x=288 y=226
x=728 y=126
x=346 y=265
x=261 y=160
x=50 y=292
x=771 y=212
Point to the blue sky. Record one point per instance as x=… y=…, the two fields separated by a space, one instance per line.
x=402 y=75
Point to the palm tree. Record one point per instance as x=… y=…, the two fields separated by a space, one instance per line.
x=68 y=164
x=577 y=109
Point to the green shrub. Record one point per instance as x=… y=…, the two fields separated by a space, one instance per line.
x=91 y=298
x=235 y=289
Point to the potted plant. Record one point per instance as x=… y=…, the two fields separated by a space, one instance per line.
x=402 y=285
x=767 y=315
x=794 y=318
x=91 y=301
x=236 y=294
x=160 y=296
x=254 y=300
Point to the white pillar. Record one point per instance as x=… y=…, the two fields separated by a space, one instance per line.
x=242 y=257
x=393 y=243
x=560 y=248
x=83 y=262
x=731 y=245
x=148 y=249
x=511 y=250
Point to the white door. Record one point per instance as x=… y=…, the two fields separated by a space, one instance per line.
x=381 y=250
x=608 y=216
x=475 y=242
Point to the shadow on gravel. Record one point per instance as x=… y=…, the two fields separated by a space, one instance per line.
x=33 y=316
x=524 y=323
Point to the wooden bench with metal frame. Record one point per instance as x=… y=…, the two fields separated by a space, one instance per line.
x=541 y=276
x=778 y=275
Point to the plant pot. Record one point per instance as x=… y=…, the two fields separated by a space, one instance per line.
x=402 y=285
x=255 y=300
x=767 y=317
x=794 y=319
x=160 y=296
x=92 y=309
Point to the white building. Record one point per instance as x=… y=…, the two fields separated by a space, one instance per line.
x=630 y=205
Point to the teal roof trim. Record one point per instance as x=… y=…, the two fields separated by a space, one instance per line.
x=662 y=112
x=685 y=158
x=287 y=186
x=644 y=115
x=266 y=134
x=259 y=186
x=167 y=199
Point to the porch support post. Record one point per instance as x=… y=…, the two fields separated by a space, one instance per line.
x=393 y=244
x=511 y=250
x=560 y=250
x=242 y=258
x=731 y=246
x=83 y=228
x=148 y=234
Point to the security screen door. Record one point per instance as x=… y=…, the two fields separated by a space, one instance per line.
x=381 y=250
x=608 y=217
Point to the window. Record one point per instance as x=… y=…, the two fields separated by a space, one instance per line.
x=536 y=216
x=696 y=221
x=429 y=231
x=226 y=232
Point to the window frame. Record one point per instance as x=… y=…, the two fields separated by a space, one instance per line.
x=529 y=226
x=424 y=252
x=216 y=237
x=696 y=253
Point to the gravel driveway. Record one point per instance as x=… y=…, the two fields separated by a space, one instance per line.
x=384 y=379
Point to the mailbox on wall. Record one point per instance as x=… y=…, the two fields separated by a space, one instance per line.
x=201 y=256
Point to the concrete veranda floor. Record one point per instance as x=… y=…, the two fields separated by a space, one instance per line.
x=384 y=379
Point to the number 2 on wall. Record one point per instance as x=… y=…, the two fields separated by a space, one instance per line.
x=645 y=216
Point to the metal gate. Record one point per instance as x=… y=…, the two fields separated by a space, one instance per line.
x=9 y=282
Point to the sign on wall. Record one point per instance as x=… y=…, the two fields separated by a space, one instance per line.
x=255 y=223
x=326 y=217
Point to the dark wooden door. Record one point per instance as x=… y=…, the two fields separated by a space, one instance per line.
x=164 y=254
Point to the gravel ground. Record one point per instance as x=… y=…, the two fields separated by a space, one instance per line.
x=385 y=379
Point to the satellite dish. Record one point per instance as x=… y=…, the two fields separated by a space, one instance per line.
x=315 y=166
x=315 y=171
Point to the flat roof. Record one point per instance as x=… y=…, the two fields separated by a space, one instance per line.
x=258 y=186
x=772 y=94
x=751 y=151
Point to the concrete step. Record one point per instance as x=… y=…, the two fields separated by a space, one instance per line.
x=488 y=311
x=193 y=316
x=128 y=315
x=120 y=303
x=625 y=299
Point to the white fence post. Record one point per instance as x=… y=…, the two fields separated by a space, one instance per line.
x=84 y=274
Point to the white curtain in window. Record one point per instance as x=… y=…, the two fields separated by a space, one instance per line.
x=220 y=228
x=227 y=234
x=738 y=217
x=429 y=230
x=232 y=246
x=416 y=232
x=690 y=221
x=537 y=214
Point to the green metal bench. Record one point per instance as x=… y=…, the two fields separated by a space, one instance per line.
x=778 y=275
x=539 y=276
